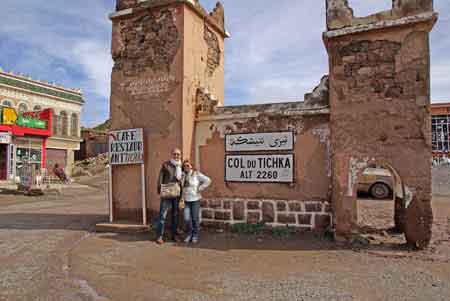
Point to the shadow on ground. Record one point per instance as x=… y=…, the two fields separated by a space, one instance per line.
x=44 y=221
x=5 y=191
x=305 y=241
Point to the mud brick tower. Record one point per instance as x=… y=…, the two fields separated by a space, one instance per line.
x=166 y=53
x=379 y=99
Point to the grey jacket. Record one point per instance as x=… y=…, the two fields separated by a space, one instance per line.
x=167 y=175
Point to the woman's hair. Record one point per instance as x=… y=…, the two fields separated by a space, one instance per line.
x=187 y=161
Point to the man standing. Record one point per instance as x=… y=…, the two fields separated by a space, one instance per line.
x=168 y=182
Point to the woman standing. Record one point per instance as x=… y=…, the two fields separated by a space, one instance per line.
x=193 y=183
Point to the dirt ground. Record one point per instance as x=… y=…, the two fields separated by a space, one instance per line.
x=50 y=252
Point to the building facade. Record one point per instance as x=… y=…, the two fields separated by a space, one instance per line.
x=440 y=129
x=53 y=140
x=293 y=164
x=94 y=143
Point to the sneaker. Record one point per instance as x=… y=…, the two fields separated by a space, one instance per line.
x=176 y=239
x=160 y=241
x=188 y=239
x=194 y=240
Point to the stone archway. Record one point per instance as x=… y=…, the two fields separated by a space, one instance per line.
x=412 y=217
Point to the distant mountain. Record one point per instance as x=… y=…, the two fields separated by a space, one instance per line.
x=105 y=126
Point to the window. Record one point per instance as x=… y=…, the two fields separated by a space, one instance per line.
x=74 y=125
x=28 y=159
x=63 y=124
x=440 y=133
x=23 y=108
x=37 y=108
x=55 y=129
x=7 y=103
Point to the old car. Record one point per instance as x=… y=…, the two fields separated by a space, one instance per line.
x=377 y=182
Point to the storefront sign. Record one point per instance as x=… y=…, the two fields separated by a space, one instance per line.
x=259 y=168
x=279 y=141
x=126 y=147
x=5 y=138
x=10 y=117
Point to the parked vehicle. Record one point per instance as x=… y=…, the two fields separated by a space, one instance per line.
x=377 y=182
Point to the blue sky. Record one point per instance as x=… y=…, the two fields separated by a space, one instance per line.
x=275 y=52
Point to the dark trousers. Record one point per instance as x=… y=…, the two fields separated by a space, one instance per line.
x=192 y=218
x=166 y=204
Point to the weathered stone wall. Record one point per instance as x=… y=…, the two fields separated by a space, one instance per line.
x=160 y=62
x=214 y=52
x=147 y=40
x=303 y=203
x=379 y=98
x=204 y=73
x=125 y=4
x=310 y=215
x=146 y=93
x=340 y=14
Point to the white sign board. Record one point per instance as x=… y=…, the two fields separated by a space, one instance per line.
x=277 y=141
x=259 y=168
x=5 y=138
x=126 y=147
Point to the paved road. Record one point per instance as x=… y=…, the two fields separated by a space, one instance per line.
x=49 y=253
x=36 y=237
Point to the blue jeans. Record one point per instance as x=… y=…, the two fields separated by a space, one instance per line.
x=166 y=204
x=192 y=218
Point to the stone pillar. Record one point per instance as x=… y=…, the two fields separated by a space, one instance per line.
x=379 y=99
x=162 y=52
x=70 y=161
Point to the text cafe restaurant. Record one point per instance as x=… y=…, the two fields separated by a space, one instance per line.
x=23 y=139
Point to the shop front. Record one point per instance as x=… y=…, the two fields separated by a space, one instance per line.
x=23 y=140
x=5 y=155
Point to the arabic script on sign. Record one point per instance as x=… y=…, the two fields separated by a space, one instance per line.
x=260 y=142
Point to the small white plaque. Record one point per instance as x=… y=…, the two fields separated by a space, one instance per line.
x=277 y=141
x=5 y=138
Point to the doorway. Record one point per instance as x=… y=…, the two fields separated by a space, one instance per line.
x=3 y=161
x=375 y=198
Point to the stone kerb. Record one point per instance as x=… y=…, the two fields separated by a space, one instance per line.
x=308 y=215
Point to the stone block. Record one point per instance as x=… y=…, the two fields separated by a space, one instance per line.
x=227 y=205
x=286 y=218
x=313 y=207
x=204 y=203
x=214 y=224
x=124 y=4
x=268 y=212
x=207 y=214
x=222 y=216
x=239 y=210
x=281 y=206
x=253 y=217
x=295 y=207
x=304 y=219
x=322 y=222
x=215 y=204
x=253 y=205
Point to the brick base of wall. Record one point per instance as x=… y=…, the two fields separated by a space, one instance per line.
x=312 y=215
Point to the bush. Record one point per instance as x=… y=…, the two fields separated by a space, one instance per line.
x=283 y=231
x=248 y=229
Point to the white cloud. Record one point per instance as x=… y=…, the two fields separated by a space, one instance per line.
x=275 y=53
x=67 y=42
x=95 y=61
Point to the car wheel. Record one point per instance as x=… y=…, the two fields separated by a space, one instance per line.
x=380 y=191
